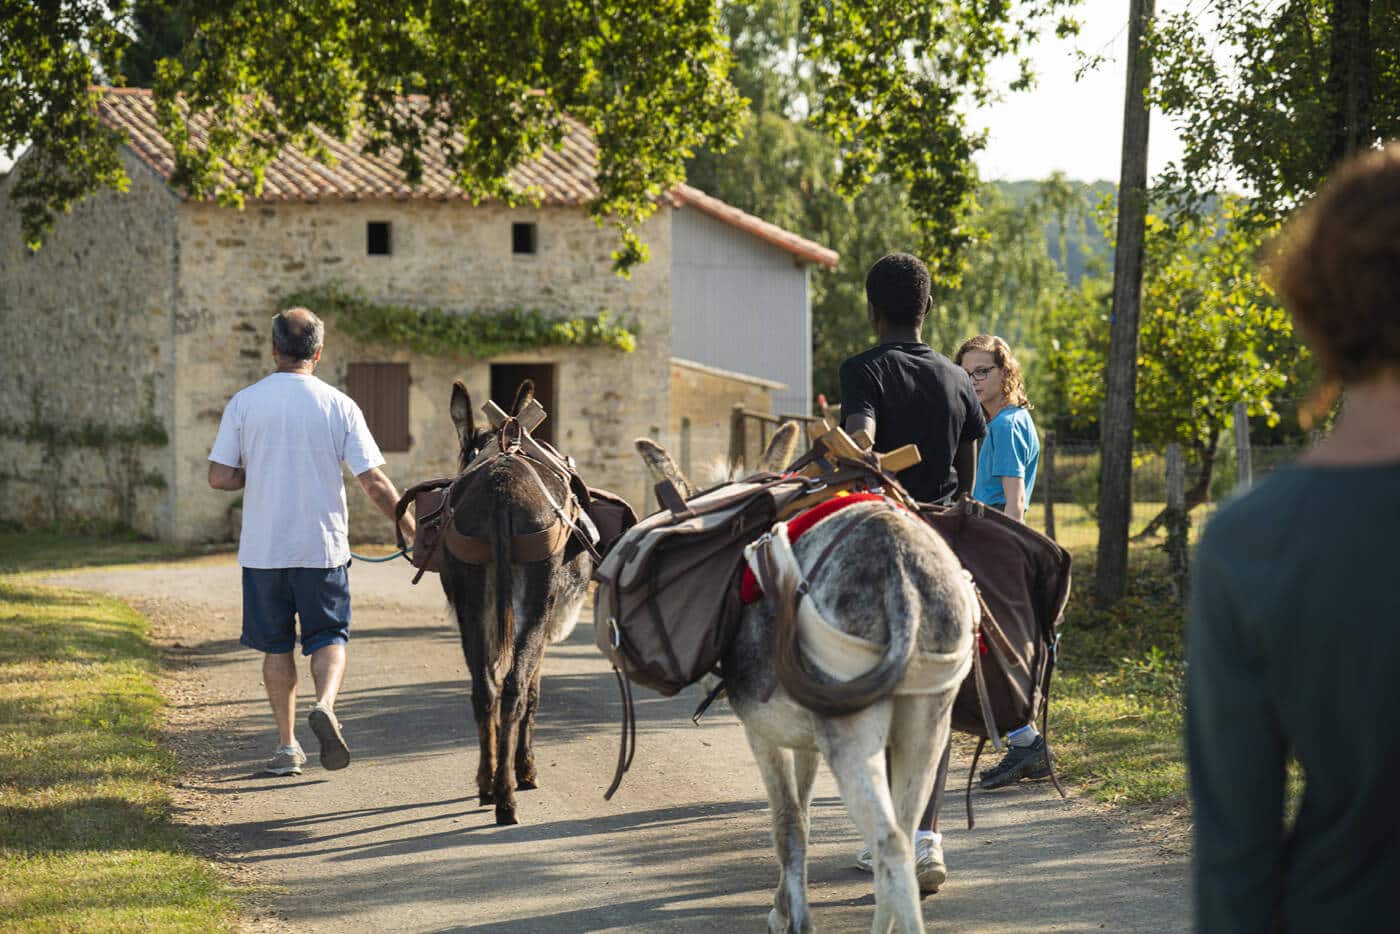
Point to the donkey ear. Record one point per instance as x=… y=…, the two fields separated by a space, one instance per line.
x=461 y=410
x=661 y=466
x=523 y=395
x=781 y=449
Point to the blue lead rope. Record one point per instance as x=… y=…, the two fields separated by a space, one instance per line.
x=402 y=552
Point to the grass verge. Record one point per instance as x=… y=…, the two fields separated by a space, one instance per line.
x=1116 y=701
x=56 y=550
x=86 y=840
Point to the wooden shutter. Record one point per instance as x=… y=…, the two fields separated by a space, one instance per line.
x=381 y=389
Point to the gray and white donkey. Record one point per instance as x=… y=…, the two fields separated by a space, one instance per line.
x=888 y=579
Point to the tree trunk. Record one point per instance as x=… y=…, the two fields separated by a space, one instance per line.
x=1349 y=79
x=1115 y=490
x=1194 y=496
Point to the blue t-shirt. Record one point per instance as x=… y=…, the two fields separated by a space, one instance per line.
x=1011 y=448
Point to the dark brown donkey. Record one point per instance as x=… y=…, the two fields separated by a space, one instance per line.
x=508 y=606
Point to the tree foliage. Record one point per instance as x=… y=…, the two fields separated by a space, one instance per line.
x=1271 y=94
x=498 y=81
x=1213 y=334
x=788 y=168
x=880 y=88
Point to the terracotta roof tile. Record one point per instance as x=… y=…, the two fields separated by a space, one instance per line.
x=566 y=176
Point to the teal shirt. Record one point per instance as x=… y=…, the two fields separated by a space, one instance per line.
x=1294 y=651
x=1011 y=448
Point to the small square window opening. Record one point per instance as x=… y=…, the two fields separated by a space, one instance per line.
x=377 y=238
x=523 y=238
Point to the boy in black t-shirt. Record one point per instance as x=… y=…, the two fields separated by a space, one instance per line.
x=905 y=392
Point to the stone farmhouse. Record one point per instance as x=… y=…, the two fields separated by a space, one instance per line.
x=146 y=310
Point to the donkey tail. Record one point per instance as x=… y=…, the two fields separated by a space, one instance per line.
x=505 y=601
x=782 y=581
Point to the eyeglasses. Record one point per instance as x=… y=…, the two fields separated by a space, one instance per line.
x=981 y=373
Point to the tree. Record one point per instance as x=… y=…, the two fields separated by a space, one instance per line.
x=887 y=83
x=787 y=170
x=1213 y=334
x=650 y=80
x=1009 y=280
x=1271 y=94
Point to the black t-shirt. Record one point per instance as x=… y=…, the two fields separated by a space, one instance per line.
x=916 y=396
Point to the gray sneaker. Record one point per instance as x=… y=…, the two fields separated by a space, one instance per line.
x=287 y=760
x=334 y=753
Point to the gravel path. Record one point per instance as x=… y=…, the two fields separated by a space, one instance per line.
x=396 y=842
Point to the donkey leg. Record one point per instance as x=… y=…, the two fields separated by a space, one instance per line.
x=486 y=705
x=526 y=776
x=789 y=817
x=513 y=698
x=854 y=747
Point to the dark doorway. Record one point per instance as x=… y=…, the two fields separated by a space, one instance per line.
x=506 y=378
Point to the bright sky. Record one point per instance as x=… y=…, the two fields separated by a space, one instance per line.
x=1068 y=126
x=1065 y=125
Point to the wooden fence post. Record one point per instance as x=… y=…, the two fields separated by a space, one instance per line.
x=737 y=442
x=1244 y=467
x=1047 y=467
x=1178 y=521
x=685 y=446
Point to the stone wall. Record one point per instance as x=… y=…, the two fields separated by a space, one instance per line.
x=87 y=322
x=702 y=398
x=237 y=267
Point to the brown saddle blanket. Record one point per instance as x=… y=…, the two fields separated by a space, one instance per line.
x=1023 y=578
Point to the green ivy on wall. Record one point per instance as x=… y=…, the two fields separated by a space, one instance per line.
x=87 y=434
x=471 y=335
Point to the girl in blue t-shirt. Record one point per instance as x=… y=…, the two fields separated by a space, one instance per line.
x=1010 y=453
x=1006 y=468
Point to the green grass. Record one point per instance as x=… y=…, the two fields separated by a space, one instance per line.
x=1116 y=701
x=86 y=839
x=53 y=550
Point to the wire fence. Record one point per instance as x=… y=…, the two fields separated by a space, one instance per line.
x=1070 y=474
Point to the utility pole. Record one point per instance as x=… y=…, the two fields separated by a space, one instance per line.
x=1116 y=489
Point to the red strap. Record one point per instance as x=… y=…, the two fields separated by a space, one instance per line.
x=803 y=522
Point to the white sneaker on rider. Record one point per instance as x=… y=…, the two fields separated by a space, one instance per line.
x=929 y=866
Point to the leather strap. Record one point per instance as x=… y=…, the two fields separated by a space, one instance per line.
x=981 y=744
x=524 y=549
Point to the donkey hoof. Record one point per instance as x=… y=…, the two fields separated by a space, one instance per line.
x=527 y=783
x=485 y=798
x=777 y=923
x=505 y=817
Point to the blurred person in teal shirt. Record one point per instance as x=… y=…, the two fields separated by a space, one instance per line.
x=1293 y=638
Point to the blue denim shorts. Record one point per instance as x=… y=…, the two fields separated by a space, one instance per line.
x=274 y=598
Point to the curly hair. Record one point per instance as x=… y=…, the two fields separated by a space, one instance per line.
x=1336 y=266
x=1013 y=381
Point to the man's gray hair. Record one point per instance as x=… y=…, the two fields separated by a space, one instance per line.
x=297 y=333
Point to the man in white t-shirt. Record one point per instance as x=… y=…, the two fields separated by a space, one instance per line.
x=282 y=441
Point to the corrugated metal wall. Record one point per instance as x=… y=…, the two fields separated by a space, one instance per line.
x=740 y=304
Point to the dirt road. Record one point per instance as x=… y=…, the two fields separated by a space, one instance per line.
x=396 y=842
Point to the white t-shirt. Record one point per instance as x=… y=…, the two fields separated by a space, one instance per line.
x=290 y=432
